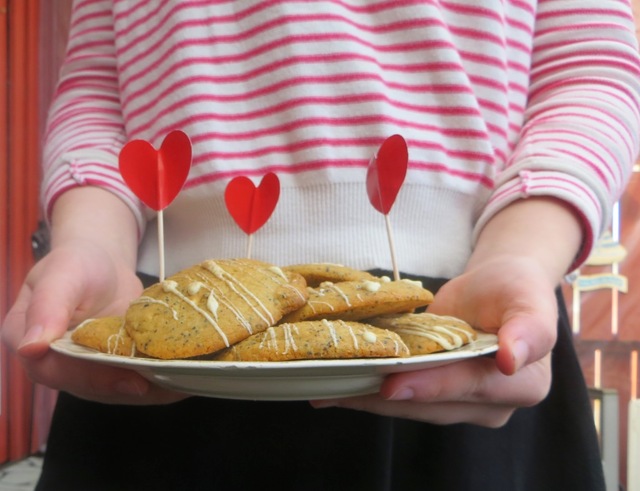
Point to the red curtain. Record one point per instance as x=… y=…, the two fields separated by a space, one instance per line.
x=19 y=176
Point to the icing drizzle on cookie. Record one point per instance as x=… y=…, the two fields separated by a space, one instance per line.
x=145 y=299
x=449 y=337
x=236 y=285
x=172 y=287
x=115 y=340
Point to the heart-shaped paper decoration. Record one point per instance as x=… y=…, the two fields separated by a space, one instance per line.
x=386 y=173
x=156 y=176
x=251 y=206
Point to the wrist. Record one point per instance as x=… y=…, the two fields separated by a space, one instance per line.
x=93 y=215
x=540 y=229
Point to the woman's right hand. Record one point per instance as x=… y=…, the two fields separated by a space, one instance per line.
x=88 y=273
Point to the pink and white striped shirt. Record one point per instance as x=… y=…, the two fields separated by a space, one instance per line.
x=497 y=99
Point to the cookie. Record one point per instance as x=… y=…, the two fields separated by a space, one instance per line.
x=210 y=306
x=426 y=333
x=317 y=340
x=317 y=273
x=106 y=334
x=357 y=300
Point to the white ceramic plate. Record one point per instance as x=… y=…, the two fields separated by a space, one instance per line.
x=288 y=380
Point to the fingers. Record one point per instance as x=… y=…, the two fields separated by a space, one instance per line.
x=97 y=382
x=473 y=381
x=444 y=413
x=472 y=391
x=59 y=291
x=522 y=343
x=523 y=314
x=40 y=314
x=46 y=319
x=13 y=329
x=528 y=329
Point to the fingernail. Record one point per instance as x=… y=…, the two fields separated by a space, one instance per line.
x=520 y=352
x=33 y=335
x=130 y=387
x=403 y=394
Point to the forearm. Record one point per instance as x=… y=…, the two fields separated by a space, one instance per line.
x=85 y=129
x=92 y=214
x=579 y=138
x=543 y=229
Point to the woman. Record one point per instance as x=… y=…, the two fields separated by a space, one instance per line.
x=522 y=124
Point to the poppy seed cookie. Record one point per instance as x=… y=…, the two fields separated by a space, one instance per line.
x=317 y=340
x=357 y=300
x=426 y=333
x=211 y=306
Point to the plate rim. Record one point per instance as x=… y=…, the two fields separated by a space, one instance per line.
x=485 y=344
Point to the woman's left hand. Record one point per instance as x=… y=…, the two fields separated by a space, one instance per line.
x=508 y=288
x=484 y=390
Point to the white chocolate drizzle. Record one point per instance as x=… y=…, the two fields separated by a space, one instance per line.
x=234 y=284
x=289 y=338
x=194 y=287
x=397 y=345
x=279 y=272
x=327 y=285
x=269 y=339
x=214 y=269
x=219 y=299
x=212 y=304
x=332 y=331
x=369 y=337
x=145 y=299
x=298 y=292
x=285 y=283
x=239 y=317
x=449 y=337
x=412 y=282
x=371 y=286
x=172 y=286
x=311 y=304
x=354 y=338
x=114 y=341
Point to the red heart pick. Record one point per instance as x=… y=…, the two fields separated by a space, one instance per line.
x=156 y=176
x=251 y=206
x=386 y=173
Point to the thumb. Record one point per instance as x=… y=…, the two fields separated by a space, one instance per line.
x=524 y=339
x=42 y=314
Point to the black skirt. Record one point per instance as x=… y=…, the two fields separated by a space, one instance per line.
x=217 y=444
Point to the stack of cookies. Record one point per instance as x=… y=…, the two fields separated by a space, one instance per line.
x=248 y=310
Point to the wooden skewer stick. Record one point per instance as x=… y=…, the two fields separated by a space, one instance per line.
x=385 y=174
x=249 y=245
x=396 y=272
x=161 y=273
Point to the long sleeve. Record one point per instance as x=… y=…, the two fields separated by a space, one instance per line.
x=85 y=130
x=497 y=101
x=580 y=134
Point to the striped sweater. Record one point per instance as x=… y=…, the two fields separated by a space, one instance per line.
x=497 y=100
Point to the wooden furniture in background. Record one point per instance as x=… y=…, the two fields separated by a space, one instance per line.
x=609 y=324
